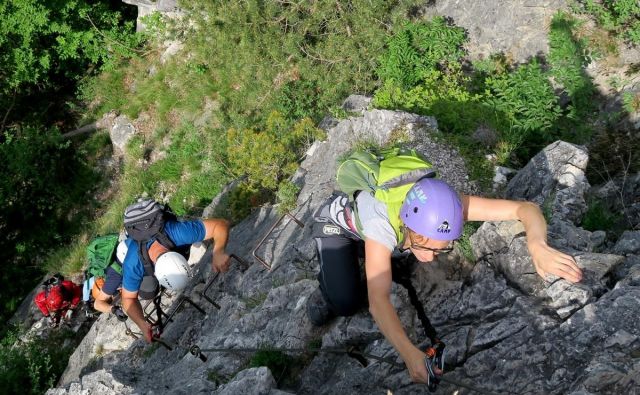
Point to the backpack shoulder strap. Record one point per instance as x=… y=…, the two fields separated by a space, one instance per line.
x=143 y=253
x=163 y=239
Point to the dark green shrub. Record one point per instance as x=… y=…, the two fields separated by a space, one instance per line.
x=46 y=46
x=43 y=181
x=464 y=243
x=525 y=96
x=34 y=366
x=600 y=217
x=278 y=362
x=298 y=99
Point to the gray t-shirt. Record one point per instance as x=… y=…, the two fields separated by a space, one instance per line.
x=375 y=220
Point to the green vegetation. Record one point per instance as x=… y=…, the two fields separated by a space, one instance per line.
x=600 y=217
x=464 y=243
x=517 y=101
x=44 y=180
x=33 y=366
x=47 y=46
x=620 y=17
x=46 y=192
x=285 y=368
x=256 y=300
x=277 y=361
x=241 y=100
x=568 y=60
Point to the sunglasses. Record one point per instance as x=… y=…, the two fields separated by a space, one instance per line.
x=419 y=247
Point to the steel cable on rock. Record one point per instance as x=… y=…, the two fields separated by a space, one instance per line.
x=353 y=352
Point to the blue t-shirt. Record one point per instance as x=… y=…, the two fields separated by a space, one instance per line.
x=181 y=233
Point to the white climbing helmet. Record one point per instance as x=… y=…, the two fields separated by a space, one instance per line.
x=121 y=251
x=172 y=271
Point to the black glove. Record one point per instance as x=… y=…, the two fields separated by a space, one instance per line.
x=120 y=315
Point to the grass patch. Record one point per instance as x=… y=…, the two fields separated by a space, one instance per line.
x=256 y=300
x=285 y=368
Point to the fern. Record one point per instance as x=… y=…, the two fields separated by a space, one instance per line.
x=418 y=49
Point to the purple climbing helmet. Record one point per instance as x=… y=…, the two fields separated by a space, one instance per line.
x=433 y=209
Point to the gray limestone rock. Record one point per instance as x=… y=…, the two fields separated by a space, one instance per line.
x=504 y=326
x=554 y=179
x=628 y=244
x=168 y=8
x=516 y=28
x=567 y=297
x=254 y=381
x=120 y=133
x=356 y=104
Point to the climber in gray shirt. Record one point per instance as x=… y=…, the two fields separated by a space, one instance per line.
x=427 y=223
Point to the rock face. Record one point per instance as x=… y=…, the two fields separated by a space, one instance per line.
x=121 y=132
x=145 y=7
x=506 y=329
x=516 y=28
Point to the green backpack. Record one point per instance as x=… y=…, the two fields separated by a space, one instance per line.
x=387 y=175
x=101 y=253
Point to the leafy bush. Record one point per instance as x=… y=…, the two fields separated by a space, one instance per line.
x=464 y=243
x=267 y=157
x=33 y=366
x=621 y=17
x=631 y=102
x=43 y=181
x=287 y=195
x=298 y=99
x=417 y=49
x=243 y=198
x=526 y=98
x=443 y=94
x=285 y=368
x=46 y=46
x=429 y=79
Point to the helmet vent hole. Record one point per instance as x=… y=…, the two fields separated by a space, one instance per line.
x=415 y=210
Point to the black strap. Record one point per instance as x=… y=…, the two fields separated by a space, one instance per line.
x=401 y=273
x=422 y=316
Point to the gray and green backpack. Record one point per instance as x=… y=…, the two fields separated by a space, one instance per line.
x=387 y=174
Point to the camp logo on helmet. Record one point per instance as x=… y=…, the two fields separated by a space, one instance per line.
x=331 y=230
x=444 y=227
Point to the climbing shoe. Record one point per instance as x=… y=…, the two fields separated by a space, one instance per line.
x=318 y=309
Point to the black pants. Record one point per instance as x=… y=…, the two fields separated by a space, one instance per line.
x=341 y=279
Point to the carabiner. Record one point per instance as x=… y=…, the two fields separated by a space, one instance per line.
x=434 y=360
